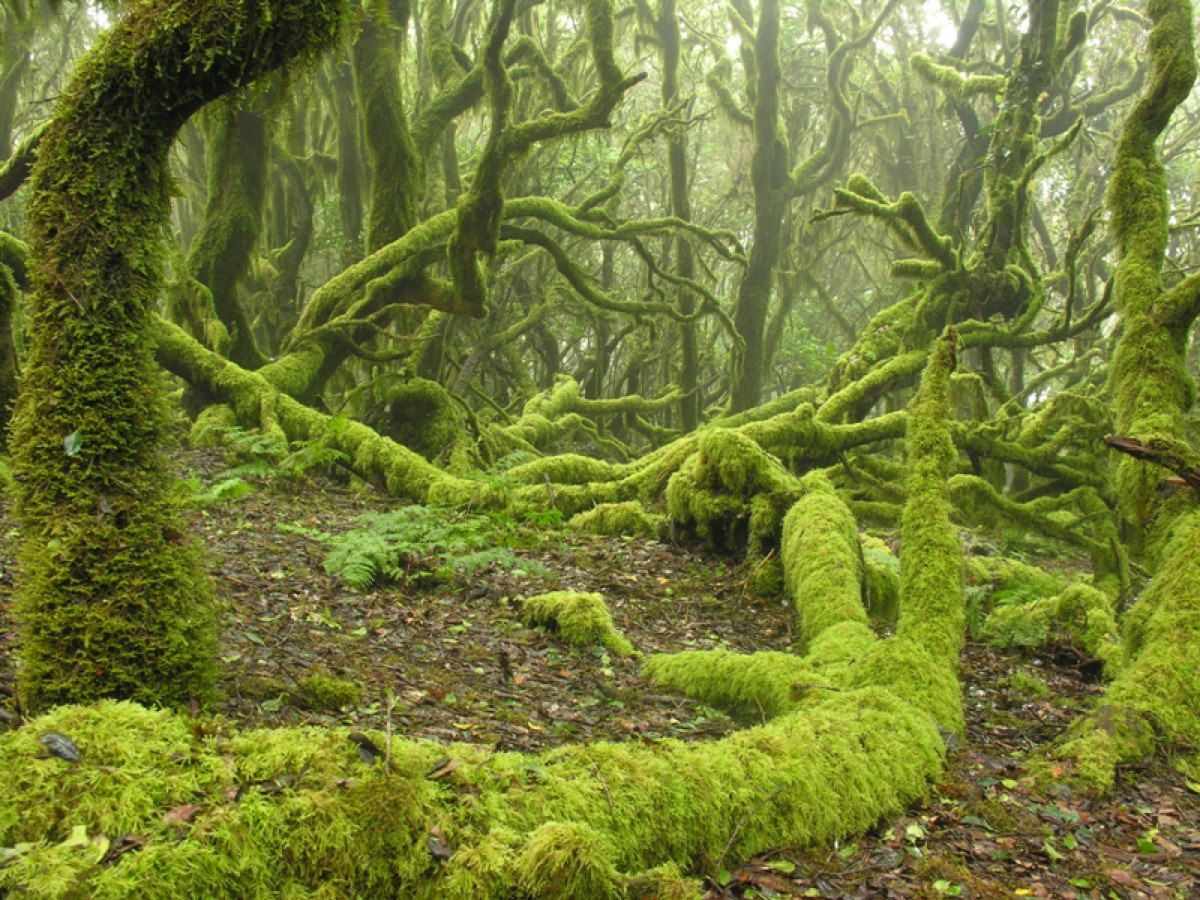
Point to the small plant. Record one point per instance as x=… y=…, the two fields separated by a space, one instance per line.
x=250 y=453
x=256 y=456
x=192 y=490
x=319 y=692
x=416 y=543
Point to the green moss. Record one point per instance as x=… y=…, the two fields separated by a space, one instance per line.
x=822 y=560
x=1155 y=699
x=423 y=416
x=730 y=492
x=766 y=576
x=1151 y=386
x=932 y=607
x=567 y=468
x=910 y=671
x=295 y=812
x=1028 y=685
x=323 y=693
x=582 y=620
x=565 y=860
x=629 y=518
x=1154 y=702
x=665 y=882
x=756 y=686
x=881 y=580
x=212 y=425
x=1011 y=577
x=238 y=137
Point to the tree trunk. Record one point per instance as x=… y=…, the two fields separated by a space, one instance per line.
x=112 y=600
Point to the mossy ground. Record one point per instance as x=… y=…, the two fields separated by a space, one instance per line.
x=438 y=650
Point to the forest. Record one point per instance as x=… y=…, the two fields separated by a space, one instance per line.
x=599 y=448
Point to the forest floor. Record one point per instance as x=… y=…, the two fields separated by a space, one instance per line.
x=449 y=659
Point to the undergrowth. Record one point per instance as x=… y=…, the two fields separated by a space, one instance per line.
x=422 y=545
x=257 y=457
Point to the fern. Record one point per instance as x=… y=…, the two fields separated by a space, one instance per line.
x=415 y=543
x=358 y=557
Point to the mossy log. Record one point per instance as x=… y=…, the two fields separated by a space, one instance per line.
x=256 y=402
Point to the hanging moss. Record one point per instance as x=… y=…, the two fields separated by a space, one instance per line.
x=730 y=492
x=582 y=620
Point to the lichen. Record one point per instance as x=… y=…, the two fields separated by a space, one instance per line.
x=580 y=619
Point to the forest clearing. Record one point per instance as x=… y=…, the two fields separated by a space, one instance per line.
x=599 y=449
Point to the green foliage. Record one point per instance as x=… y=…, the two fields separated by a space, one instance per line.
x=255 y=454
x=1080 y=616
x=419 y=543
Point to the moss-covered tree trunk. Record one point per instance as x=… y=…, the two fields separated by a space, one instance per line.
x=111 y=600
x=667 y=29
x=1154 y=700
x=770 y=179
x=239 y=140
